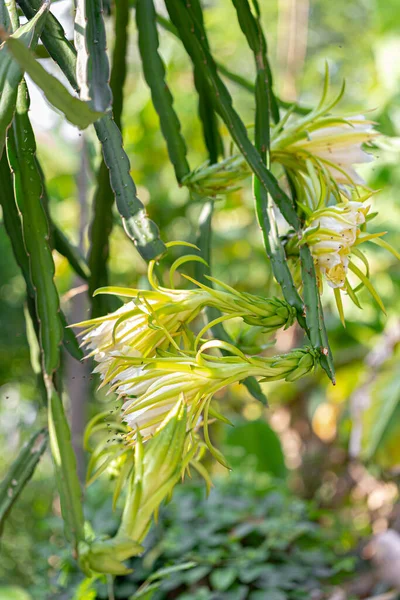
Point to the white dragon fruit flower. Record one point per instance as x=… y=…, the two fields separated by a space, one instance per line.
x=157 y=319
x=150 y=386
x=331 y=234
x=340 y=147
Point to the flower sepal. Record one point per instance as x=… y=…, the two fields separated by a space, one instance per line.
x=158 y=466
x=107 y=555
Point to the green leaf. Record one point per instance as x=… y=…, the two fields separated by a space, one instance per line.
x=92 y=68
x=70 y=341
x=12 y=222
x=265 y=104
x=368 y=285
x=66 y=248
x=10 y=71
x=265 y=99
x=76 y=111
x=65 y=468
x=103 y=199
x=28 y=192
x=154 y=73
x=165 y=571
x=314 y=314
x=207 y=114
x=191 y=36
x=275 y=251
x=222 y=579
x=256 y=438
x=13 y=226
x=53 y=38
x=264 y=205
x=20 y=473
x=235 y=77
x=9 y=15
x=139 y=228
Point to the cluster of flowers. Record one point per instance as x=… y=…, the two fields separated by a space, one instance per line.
x=317 y=153
x=147 y=353
x=154 y=354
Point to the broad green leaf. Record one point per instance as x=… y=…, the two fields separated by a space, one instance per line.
x=28 y=192
x=20 y=473
x=76 y=111
x=92 y=68
x=10 y=71
x=256 y=438
x=154 y=73
x=221 y=579
x=65 y=468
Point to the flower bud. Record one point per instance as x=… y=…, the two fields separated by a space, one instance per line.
x=218 y=178
x=107 y=556
x=331 y=234
x=158 y=467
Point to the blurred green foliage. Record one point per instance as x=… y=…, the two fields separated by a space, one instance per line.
x=250 y=536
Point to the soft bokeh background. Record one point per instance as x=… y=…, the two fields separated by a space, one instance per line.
x=340 y=444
